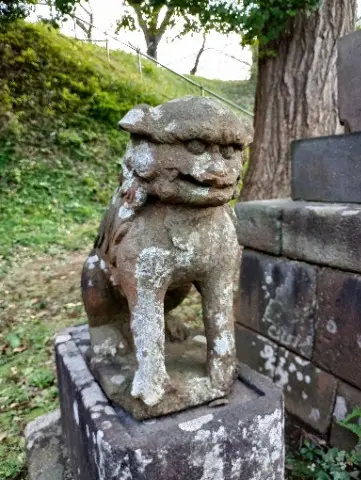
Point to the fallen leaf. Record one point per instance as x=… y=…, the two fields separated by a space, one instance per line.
x=20 y=349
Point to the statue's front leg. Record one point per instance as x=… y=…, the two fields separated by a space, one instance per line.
x=217 y=303
x=146 y=301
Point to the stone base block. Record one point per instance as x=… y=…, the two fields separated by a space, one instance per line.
x=242 y=439
x=186 y=366
x=327 y=169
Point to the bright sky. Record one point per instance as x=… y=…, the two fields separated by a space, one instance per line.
x=178 y=54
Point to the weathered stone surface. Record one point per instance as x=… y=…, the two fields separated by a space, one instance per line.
x=327 y=234
x=186 y=365
x=240 y=440
x=338 y=335
x=258 y=352
x=309 y=392
x=277 y=299
x=327 y=169
x=349 y=74
x=347 y=399
x=156 y=239
x=46 y=452
x=259 y=224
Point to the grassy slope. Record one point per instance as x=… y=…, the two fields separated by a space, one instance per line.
x=60 y=101
x=60 y=153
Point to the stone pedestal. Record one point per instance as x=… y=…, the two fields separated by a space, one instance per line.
x=242 y=439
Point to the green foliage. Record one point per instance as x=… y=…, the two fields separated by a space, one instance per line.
x=349 y=423
x=13 y=9
x=317 y=462
x=265 y=20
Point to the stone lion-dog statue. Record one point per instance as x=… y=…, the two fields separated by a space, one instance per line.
x=168 y=227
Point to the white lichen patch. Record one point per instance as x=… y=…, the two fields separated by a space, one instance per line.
x=358 y=340
x=125 y=212
x=106 y=348
x=156 y=112
x=133 y=117
x=92 y=396
x=196 y=423
x=282 y=373
x=76 y=412
x=307 y=379
x=117 y=379
x=348 y=213
x=304 y=395
x=108 y=410
x=301 y=361
x=171 y=127
x=62 y=339
x=142 y=158
x=324 y=209
x=292 y=368
x=223 y=344
x=213 y=467
x=236 y=469
x=315 y=414
x=340 y=410
x=142 y=460
x=299 y=376
x=92 y=261
x=106 y=425
x=268 y=354
x=331 y=326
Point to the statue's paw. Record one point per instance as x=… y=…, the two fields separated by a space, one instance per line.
x=222 y=373
x=107 y=341
x=149 y=388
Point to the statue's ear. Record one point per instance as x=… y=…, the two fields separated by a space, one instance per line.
x=136 y=120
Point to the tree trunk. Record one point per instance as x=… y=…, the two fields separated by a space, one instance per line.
x=296 y=96
x=198 y=57
x=152 y=46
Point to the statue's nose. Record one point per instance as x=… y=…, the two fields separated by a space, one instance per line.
x=217 y=167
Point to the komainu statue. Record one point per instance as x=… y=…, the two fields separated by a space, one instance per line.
x=168 y=227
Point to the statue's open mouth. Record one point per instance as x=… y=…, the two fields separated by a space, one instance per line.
x=210 y=181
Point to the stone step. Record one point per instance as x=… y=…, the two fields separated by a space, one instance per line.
x=320 y=233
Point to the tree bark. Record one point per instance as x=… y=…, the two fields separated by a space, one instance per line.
x=152 y=46
x=296 y=96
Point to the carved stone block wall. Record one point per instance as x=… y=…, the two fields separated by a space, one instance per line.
x=298 y=309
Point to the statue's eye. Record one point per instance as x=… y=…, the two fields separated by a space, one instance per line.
x=197 y=147
x=227 y=151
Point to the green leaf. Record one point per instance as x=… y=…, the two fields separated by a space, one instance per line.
x=14 y=340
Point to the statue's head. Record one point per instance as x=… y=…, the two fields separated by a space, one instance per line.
x=187 y=151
